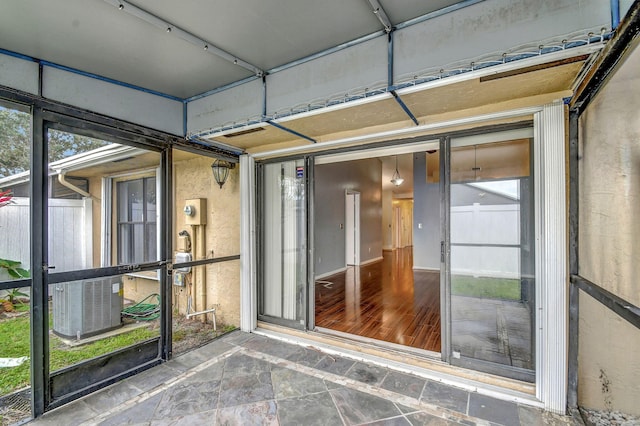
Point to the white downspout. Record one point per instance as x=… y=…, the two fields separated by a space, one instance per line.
x=64 y=182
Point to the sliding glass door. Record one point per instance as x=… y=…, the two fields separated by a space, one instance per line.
x=491 y=254
x=283 y=281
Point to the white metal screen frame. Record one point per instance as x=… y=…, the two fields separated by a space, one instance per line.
x=551 y=257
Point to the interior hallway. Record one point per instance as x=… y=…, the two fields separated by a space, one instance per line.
x=385 y=300
x=248 y=379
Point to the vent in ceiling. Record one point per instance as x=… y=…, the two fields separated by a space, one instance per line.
x=244 y=132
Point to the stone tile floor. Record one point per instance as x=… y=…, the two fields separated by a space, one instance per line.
x=248 y=379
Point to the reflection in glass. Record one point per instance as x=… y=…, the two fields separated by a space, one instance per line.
x=492 y=280
x=284 y=241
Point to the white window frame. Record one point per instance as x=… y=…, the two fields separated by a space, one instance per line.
x=107 y=205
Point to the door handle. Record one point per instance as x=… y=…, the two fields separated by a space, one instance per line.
x=442 y=251
x=46 y=267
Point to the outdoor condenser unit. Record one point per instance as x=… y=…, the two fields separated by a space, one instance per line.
x=87 y=307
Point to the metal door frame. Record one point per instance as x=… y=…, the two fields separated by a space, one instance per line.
x=51 y=390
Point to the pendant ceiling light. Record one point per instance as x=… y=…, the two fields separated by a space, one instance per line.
x=396 y=179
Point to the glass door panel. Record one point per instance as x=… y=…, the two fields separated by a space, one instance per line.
x=491 y=257
x=284 y=234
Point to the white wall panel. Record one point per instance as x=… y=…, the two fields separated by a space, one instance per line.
x=357 y=67
x=116 y=101
x=492 y=26
x=19 y=74
x=236 y=103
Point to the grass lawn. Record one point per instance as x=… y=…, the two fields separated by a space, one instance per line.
x=14 y=335
x=486 y=287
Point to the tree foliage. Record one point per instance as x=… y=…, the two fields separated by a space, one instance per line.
x=15 y=141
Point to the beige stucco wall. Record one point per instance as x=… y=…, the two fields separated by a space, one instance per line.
x=193 y=179
x=609 y=365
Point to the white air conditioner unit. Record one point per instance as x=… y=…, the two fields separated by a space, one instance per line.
x=87 y=307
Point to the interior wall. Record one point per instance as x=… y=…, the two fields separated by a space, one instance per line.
x=331 y=183
x=609 y=249
x=426 y=216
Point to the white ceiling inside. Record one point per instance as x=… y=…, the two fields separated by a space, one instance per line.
x=96 y=37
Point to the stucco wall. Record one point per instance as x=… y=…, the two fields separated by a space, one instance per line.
x=193 y=179
x=609 y=366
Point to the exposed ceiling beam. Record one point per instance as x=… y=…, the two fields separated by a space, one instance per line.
x=405 y=108
x=293 y=132
x=172 y=29
x=381 y=15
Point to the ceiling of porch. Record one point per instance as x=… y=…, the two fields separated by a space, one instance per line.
x=160 y=44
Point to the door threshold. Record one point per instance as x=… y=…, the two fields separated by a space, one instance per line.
x=417 y=362
x=381 y=344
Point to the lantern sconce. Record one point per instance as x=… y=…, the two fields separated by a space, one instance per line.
x=220 y=169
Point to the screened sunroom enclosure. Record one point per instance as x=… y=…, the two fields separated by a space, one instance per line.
x=87 y=249
x=120 y=107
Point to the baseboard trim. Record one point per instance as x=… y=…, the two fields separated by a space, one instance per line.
x=421 y=268
x=376 y=259
x=330 y=273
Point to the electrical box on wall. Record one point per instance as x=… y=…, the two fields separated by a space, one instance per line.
x=183 y=258
x=195 y=211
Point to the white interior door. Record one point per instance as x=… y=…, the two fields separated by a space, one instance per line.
x=352 y=228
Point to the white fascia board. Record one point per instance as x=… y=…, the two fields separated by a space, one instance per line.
x=105 y=154
x=15 y=179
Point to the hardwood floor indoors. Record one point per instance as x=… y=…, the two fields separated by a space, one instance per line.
x=385 y=300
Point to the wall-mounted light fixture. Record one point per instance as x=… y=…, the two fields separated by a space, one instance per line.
x=220 y=170
x=396 y=179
